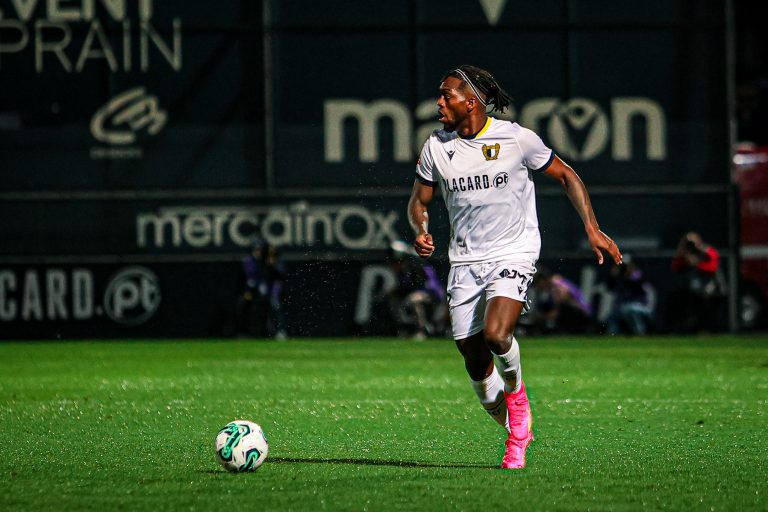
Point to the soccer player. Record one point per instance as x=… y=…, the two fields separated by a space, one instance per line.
x=483 y=167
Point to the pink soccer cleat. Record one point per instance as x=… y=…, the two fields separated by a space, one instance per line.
x=520 y=431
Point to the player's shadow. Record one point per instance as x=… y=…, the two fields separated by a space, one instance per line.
x=377 y=462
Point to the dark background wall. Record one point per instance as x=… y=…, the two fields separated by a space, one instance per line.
x=141 y=148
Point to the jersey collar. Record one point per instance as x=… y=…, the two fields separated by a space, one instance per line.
x=480 y=133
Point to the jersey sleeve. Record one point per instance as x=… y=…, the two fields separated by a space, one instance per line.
x=536 y=155
x=425 y=166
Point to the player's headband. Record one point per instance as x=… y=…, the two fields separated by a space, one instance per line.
x=471 y=85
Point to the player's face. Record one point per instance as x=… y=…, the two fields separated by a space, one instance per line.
x=451 y=104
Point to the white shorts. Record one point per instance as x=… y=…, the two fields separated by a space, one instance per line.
x=470 y=287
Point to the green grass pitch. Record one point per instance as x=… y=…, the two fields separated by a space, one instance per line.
x=382 y=424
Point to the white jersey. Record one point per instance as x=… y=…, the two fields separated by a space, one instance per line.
x=488 y=190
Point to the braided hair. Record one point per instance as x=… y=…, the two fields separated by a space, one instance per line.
x=482 y=83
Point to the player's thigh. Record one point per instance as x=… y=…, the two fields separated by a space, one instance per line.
x=501 y=316
x=506 y=295
x=466 y=302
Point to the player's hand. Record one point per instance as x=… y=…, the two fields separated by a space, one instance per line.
x=599 y=242
x=424 y=245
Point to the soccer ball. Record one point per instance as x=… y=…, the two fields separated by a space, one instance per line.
x=241 y=446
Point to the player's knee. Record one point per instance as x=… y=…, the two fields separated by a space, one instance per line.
x=477 y=357
x=478 y=366
x=498 y=339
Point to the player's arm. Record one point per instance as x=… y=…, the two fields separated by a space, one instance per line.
x=421 y=196
x=579 y=197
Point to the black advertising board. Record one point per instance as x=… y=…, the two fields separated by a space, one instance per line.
x=630 y=98
x=337 y=227
x=130 y=95
x=146 y=143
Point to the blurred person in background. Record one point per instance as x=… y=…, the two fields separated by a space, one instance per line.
x=417 y=300
x=260 y=308
x=484 y=168
x=697 y=302
x=558 y=306
x=634 y=300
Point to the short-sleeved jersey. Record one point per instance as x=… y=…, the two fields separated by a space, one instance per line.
x=488 y=190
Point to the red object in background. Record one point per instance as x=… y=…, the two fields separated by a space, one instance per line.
x=750 y=172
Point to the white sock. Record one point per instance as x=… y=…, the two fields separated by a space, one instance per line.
x=511 y=371
x=490 y=391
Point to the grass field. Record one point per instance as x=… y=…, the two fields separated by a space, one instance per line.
x=379 y=424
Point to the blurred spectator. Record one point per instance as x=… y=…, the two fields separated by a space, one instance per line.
x=417 y=300
x=260 y=309
x=697 y=302
x=634 y=299
x=558 y=306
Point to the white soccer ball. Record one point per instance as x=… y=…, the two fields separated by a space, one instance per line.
x=241 y=446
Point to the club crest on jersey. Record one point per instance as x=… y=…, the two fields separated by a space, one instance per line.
x=491 y=152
